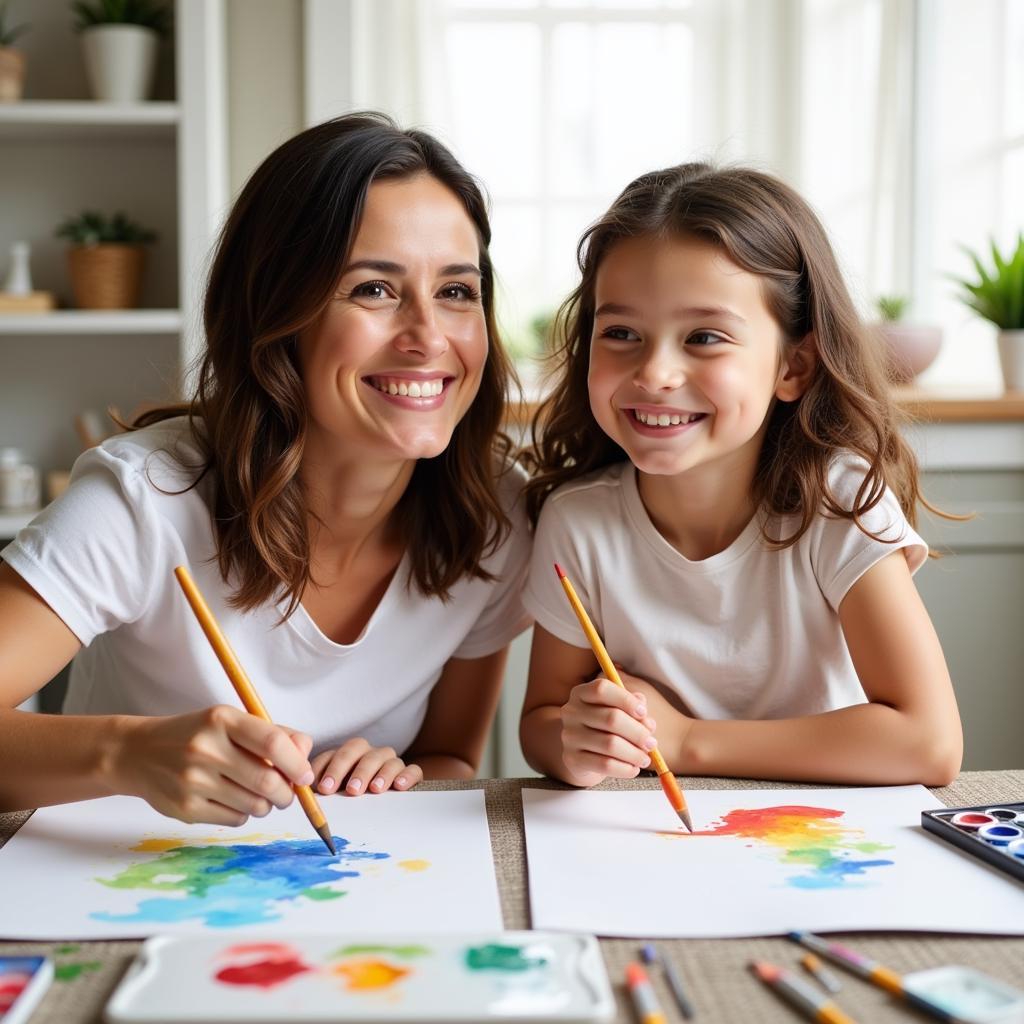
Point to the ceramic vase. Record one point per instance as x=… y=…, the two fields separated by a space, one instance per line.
x=120 y=61
x=1011 y=358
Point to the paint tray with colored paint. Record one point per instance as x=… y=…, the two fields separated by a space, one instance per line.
x=992 y=832
x=508 y=976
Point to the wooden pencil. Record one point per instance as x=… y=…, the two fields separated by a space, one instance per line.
x=246 y=691
x=668 y=781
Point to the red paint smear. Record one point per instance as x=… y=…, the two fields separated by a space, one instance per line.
x=974 y=819
x=264 y=973
x=10 y=989
x=278 y=949
x=754 y=822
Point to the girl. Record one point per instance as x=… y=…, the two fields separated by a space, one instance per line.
x=338 y=489
x=723 y=480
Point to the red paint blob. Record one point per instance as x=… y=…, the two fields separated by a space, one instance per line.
x=757 y=821
x=264 y=973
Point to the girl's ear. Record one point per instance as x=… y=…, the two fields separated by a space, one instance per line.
x=797 y=369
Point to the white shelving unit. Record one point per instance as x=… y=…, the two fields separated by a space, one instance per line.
x=164 y=164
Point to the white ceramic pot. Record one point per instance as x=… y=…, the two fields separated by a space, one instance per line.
x=912 y=348
x=120 y=61
x=1011 y=358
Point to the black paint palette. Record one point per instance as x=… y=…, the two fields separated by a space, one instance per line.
x=992 y=832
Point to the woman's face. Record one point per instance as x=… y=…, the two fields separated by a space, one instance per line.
x=396 y=359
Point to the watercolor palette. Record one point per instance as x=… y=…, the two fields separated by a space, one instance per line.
x=509 y=976
x=992 y=832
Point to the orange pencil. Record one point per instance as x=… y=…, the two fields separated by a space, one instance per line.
x=245 y=690
x=665 y=777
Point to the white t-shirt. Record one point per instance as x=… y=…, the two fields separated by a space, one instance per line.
x=102 y=556
x=749 y=633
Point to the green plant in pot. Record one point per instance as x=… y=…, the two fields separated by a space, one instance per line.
x=911 y=348
x=120 y=39
x=106 y=259
x=12 y=61
x=998 y=296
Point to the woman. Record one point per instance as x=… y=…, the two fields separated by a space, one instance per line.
x=339 y=489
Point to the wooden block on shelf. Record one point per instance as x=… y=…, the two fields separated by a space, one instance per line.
x=34 y=302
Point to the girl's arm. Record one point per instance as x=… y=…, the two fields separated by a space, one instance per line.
x=577 y=728
x=908 y=732
x=207 y=766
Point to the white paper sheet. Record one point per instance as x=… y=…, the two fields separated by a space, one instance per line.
x=853 y=859
x=115 y=868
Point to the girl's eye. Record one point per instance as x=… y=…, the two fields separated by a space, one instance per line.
x=371 y=290
x=703 y=339
x=460 y=292
x=620 y=334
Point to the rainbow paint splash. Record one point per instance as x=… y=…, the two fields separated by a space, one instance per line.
x=809 y=836
x=226 y=886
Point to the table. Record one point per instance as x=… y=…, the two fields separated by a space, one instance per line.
x=714 y=971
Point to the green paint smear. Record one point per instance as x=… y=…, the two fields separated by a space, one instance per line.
x=61 y=950
x=201 y=866
x=501 y=958
x=69 y=972
x=406 y=951
x=321 y=894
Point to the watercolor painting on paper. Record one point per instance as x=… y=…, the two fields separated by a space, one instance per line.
x=114 y=867
x=759 y=862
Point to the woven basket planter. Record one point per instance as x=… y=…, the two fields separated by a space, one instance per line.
x=106 y=276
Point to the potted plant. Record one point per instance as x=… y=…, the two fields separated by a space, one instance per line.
x=998 y=296
x=106 y=259
x=911 y=348
x=119 y=44
x=12 y=61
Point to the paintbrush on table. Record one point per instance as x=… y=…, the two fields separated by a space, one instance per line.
x=668 y=781
x=246 y=691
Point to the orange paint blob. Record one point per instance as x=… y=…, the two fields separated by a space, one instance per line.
x=362 y=975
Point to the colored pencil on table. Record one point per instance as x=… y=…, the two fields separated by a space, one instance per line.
x=246 y=691
x=668 y=781
x=868 y=969
x=649 y=955
x=820 y=973
x=645 y=1002
x=798 y=993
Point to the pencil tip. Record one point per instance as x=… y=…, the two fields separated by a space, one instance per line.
x=684 y=817
x=560 y=571
x=325 y=834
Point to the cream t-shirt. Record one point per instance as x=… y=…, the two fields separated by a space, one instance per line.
x=749 y=633
x=102 y=557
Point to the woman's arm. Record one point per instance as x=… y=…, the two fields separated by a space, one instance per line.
x=451 y=740
x=577 y=728
x=207 y=766
x=908 y=732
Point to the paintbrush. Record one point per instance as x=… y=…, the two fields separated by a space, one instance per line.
x=665 y=777
x=246 y=691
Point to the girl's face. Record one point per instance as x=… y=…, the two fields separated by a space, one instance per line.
x=396 y=359
x=685 y=358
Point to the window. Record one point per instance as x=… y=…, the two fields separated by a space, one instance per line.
x=893 y=117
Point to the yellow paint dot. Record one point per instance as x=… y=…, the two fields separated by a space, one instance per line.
x=369 y=974
x=158 y=845
x=414 y=865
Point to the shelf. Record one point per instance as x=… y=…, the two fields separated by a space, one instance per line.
x=12 y=522
x=86 y=321
x=87 y=120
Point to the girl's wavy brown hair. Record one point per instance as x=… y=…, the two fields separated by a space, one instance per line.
x=276 y=267
x=764 y=227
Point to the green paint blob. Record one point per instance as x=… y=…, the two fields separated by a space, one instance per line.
x=201 y=866
x=63 y=950
x=501 y=958
x=69 y=972
x=403 y=951
x=321 y=894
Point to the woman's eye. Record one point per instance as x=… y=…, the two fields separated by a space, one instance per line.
x=620 y=334
x=703 y=339
x=460 y=291
x=371 y=290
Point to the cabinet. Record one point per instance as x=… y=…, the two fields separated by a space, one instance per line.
x=164 y=164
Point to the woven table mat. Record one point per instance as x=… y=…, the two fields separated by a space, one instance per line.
x=714 y=972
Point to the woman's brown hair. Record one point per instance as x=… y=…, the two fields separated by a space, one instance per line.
x=276 y=268
x=764 y=227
